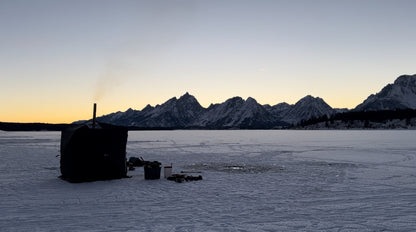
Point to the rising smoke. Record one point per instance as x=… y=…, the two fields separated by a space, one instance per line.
x=108 y=82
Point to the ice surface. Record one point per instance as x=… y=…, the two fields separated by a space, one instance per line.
x=253 y=181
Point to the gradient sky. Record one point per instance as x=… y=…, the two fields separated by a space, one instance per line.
x=58 y=57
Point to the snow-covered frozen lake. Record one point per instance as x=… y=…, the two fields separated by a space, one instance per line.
x=253 y=181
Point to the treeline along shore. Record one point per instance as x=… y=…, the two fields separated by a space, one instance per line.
x=14 y=126
x=382 y=119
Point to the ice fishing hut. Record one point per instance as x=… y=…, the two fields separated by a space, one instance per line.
x=94 y=151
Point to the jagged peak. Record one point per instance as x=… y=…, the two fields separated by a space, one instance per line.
x=282 y=104
x=252 y=100
x=310 y=98
x=235 y=99
x=148 y=107
x=187 y=96
x=188 y=99
x=307 y=98
x=406 y=80
x=311 y=101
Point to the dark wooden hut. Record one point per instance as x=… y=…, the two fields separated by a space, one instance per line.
x=93 y=152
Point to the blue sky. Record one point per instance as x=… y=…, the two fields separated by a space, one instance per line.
x=58 y=57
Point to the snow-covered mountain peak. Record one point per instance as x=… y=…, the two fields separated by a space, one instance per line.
x=238 y=113
x=252 y=102
x=306 y=108
x=235 y=101
x=250 y=99
x=307 y=98
x=147 y=108
x=281 y=105
x=399 y=95
x=310 y=100
x=406 y=80
x=186 y=96
x=188 y=99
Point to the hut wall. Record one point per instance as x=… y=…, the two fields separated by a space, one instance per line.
x=93 y=154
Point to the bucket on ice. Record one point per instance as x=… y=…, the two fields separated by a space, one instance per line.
x=151 y=173
x=152 y=170
x=167 y=171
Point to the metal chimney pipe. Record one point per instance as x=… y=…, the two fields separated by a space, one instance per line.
x=94 y=115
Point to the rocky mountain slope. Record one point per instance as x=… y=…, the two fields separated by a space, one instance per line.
x=399 y=95
x=306 y=108
x=238 y=113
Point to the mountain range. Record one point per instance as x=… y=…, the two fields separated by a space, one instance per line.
x=237 y=113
